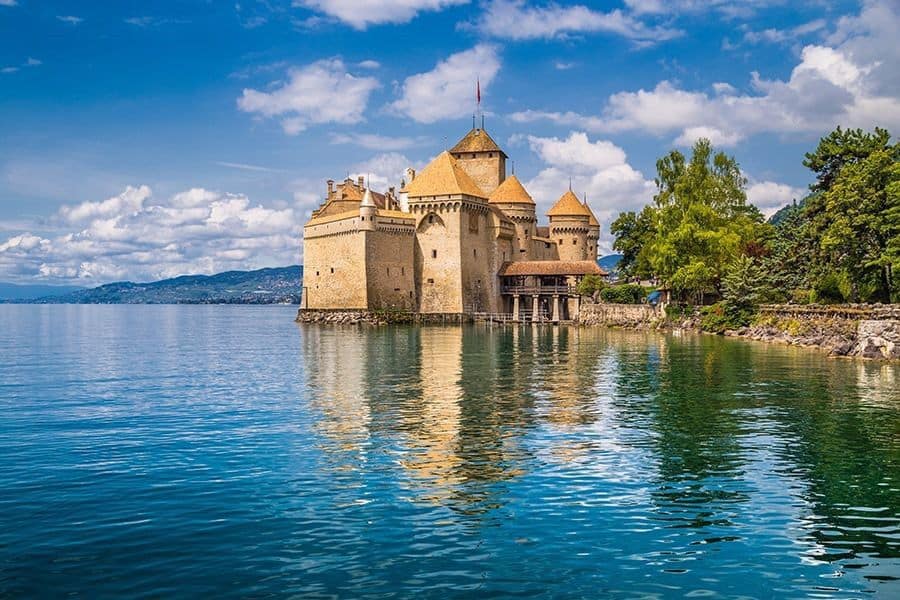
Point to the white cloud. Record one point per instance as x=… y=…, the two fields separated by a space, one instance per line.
x=598 y=168
x=369 y=64
x=71 y=20
x=362 y=13
x=33 y=62
x=322 y=92
x=769 y=196
x=377 y=142
x=9 y=69
x=780 y=36
x=717 y=137
x=854 y=83
x=383 y=170
x=136 y=236
x=516 y=20
x=7 y=2
x=448 y=90
x=730 y=8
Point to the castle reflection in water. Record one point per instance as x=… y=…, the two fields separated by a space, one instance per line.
x=460 y=413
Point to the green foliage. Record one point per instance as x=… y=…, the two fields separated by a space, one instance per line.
x=828 y=290
x=590 y=285
x=744 y=285
x=719 y=317
x=840 y=148
x=622 y=294
x=633 y=233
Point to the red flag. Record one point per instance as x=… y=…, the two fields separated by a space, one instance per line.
x=478 y=91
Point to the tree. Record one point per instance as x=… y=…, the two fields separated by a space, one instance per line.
x=701 y=220
x=633 y=232
x=857 y=215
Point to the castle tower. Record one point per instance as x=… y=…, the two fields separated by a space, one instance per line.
x=518 y=205
x=593 y=232
x=570 y=226
x=368 y=212
x=482 y=159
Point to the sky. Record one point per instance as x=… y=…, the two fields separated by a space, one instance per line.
x=147 y=140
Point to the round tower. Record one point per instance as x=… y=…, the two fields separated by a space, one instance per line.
x=570 y=227
x=593 y=237
x=367 y=212
x=518 y=205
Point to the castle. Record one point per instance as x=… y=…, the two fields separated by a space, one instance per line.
x=459 y=238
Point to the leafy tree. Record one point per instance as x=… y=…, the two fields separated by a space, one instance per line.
x=856 y=218
x=633 y=232
x=701 y=220
x=793 y=260
x=590 y=285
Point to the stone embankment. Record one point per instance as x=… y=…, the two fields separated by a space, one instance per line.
x=864 y=330
x=358 y=317
x=632 y=316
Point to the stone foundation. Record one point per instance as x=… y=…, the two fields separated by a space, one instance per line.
x=356 y=317
x=635 y=316
x=868 y=331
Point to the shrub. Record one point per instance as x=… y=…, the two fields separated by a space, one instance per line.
x=720 y=317
x=590 y=285
x=622 y=294
x=828 y=290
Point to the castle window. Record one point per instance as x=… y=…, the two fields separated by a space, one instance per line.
x=396 y=289
x=473 y=156
x=490 y=155
x=431 y=218
x=434 y=254
x=431 y=281
x=522 y=250
x=560 y=242
x=475 y=252
x=388 y=270
x=574 y=241
x=332 y=269
x=317 y=273
x=403 y=270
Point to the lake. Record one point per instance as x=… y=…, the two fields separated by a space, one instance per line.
x=225 y=451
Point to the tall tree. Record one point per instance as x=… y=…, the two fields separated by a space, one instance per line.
x=633 y=232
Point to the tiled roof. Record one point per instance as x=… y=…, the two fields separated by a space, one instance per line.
x=443 y=177
x=551 y=267
x=593 y=222
x=476 y=140
x=350 y=214
x=569 y=206
x=511 y=191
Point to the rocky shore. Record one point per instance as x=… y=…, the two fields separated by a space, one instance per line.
x=866 y=331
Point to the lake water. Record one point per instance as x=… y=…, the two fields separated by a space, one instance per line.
x=224 y=451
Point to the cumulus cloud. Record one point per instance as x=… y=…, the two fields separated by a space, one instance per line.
x=136 y=236
x=448 y=90
x=730 y=8
x=71 y=20
x=597 y=168
x=322 y=92
x=853 y=83
x=780 y=36
x=769 y=196
x=7 y=2
x=383 y=170
x=517 y=20
x=360 y=14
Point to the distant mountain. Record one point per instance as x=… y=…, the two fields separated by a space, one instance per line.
x=282 y=285
x=785 y=211
x=610 y=262
x=15 y=291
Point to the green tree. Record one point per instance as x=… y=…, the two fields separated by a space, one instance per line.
x=633 y=233
x=590 y=284
x=702 y=221
x=857 y=215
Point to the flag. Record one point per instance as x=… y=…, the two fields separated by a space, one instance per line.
x=478 y=91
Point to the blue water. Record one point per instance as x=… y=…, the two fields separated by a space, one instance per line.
x=160 y=451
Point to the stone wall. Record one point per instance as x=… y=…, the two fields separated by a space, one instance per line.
x=866 y=330
x=359 y=317
x=638 y=316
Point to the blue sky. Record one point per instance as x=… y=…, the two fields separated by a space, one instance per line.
x=143 y=140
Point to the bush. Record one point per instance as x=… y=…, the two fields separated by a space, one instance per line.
x=828 y=290
x=630 y=293
x=590 y=284
x=720 y=317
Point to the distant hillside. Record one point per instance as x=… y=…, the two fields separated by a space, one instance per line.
x=610 y=262
x=16 y=292
x=784 y=211
x=281 y=285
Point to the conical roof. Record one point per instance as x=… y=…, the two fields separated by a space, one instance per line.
x=442 y=177
x=593 y=222
x=511 y=191
x=367 y=199
x=477 y=140
x=569 y=206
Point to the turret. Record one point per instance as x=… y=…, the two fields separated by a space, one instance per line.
x=482 y=159
x=570 y=226
x=368 y=212
x=517 y=204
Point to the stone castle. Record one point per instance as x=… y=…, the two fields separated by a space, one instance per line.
x=459 y=238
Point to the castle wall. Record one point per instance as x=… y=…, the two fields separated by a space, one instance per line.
x=487 y=169
x=390 y=274
x=334 y=265
x=479 y=254
x=437 y=255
